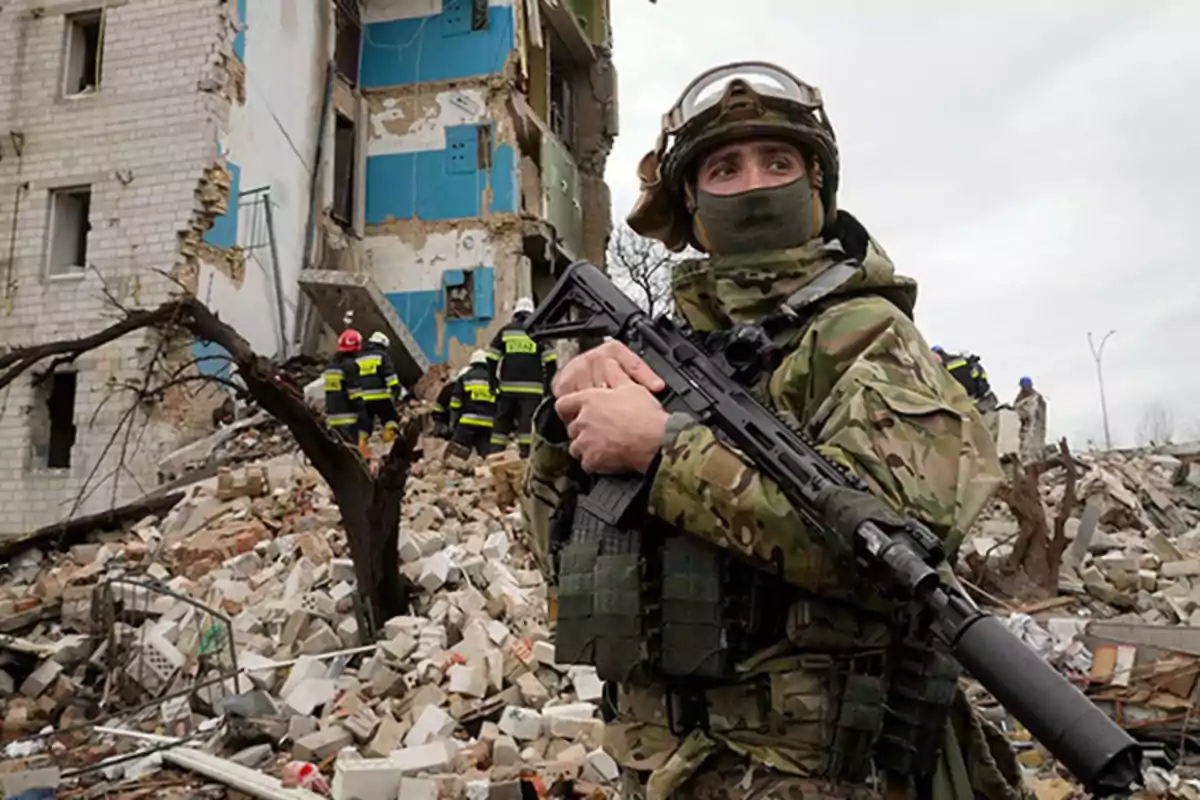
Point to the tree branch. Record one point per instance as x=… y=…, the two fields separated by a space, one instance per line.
x=18 y=360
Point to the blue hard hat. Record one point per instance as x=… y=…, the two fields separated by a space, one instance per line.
x=1027 y=382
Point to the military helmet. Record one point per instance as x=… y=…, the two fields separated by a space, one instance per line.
x=725 y=104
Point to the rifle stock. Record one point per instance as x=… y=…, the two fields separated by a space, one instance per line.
x=585 y=302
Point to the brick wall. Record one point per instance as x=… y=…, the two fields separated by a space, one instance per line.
x=142 y=142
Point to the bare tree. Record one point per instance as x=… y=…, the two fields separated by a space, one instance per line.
x=1157 y=425
x=369 y=503
x=1038 y=549
x=642 y=268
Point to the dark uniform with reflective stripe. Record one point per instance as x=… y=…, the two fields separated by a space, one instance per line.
x=475 y=406
x=380 y=386
x=970 y=374
x=443 y=428
x=520 y=371
x=343 y=397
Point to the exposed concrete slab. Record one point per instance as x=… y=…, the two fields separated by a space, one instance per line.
x=334 y=293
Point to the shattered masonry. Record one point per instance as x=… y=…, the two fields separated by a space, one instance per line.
x=157 y=139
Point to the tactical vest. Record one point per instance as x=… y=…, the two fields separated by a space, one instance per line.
x=652 y=606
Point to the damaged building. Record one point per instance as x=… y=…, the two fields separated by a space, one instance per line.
x=421 y=162
x=472 y=138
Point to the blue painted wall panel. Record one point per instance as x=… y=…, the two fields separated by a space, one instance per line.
x=216 y=359
x=419 y=311
x=239 y=41
x=224 y=230
x=428 y=49
x=428 y=184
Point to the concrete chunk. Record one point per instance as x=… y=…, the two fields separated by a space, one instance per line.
x=41 y=678
x=430 y=757
x=468 y=679
x=319 y=745
x=389 y=737
x=523 y=724
x=418 y=789
x=433 y=723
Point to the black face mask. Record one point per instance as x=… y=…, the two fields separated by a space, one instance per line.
x=776 y=218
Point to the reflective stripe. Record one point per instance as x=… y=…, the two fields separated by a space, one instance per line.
x=342 y=419
x=376 y=395
x=368 y=365
x=549 y=355
x=477 y=420
x=499 y=440
x=962 y=362
x=393 y=381
x=493 y=354
x=518 y=342
x=356 y=394
x=334 y=379
x=525 y=438
x=456 y=404
x=521 y=387
x=438 y=408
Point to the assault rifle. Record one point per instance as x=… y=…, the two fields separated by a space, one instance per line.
x=902 y=552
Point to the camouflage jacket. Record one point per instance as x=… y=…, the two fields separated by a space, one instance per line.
x=857 y=377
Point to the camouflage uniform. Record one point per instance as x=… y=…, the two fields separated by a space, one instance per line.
x=860 y=380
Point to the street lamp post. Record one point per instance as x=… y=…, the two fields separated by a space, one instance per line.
x=1097 y=354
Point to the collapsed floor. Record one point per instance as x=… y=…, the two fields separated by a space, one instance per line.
x=217 y=646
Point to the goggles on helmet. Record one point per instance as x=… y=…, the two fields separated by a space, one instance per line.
x=702 y=97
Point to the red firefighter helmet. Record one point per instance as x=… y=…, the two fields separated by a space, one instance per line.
x=350 y=341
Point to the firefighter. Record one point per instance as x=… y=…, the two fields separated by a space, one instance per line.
x=443 y=427
x=519 y=369
x=380 y=386
x=475 y=406
x=343 y=393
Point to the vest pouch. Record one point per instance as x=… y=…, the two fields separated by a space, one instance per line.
x=695 y=612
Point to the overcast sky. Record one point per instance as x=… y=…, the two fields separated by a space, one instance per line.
x=1035 y=166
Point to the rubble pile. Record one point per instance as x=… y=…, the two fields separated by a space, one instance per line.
x=1134 y=532
x=1126 y=626
x=223 y=645
x=122 y=647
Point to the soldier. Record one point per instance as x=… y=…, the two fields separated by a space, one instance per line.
x=841 y=696
x=380 y=387
x=1031 y=410
x=343 y=393
x=519 y=369
x=474 y=407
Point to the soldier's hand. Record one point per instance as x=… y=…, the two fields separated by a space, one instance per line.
x=614 y=430
x=590 y=370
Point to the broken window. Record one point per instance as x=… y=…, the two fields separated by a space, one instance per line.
x=82 y=52
x=479 y=15
x=348 y=42
x=53 y=420
x=562 y=104
x=483 y=147
x=460 y=297
x=344 y=140
x=69 y=228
